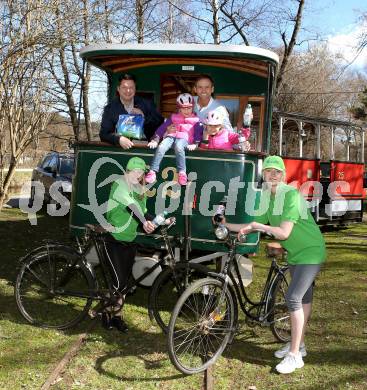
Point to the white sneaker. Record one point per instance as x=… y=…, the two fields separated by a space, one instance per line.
x=290 y=363
x=282 y=352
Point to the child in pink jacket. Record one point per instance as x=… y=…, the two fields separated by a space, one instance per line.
x=181 y=131
x=215 y=136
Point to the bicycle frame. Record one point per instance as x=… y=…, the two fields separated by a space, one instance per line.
x=67 y=274
x=169 y=261
x=96 y=239
x=114 y=295
x=247 y=305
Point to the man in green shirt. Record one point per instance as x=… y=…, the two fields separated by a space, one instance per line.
x=288 y=219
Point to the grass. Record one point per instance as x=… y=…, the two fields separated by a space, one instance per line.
x=27 y=354
x=336 y=342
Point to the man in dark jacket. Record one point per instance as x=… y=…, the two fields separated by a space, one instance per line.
x=128 y=103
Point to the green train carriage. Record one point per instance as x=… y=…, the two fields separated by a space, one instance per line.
x=242 y=75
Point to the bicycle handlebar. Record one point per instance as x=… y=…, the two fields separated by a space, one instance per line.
x=222 y=233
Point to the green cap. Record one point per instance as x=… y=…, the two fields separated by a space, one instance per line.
x=136 y=163
x=275 y=162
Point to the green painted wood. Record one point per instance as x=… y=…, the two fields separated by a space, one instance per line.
x=215 y=171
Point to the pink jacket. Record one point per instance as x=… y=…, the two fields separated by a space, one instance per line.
x=225 y=139
x=184 y=126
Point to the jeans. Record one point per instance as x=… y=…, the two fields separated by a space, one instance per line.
x=179 y=146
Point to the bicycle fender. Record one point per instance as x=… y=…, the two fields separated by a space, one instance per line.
x=216 y=275
x=44 y=248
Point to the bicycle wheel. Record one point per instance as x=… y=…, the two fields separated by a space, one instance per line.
x=201 y=325
x=54 y=288
x=168 y=287
x=280 y=320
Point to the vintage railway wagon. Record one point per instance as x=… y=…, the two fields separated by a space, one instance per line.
x=324 y=158
x=242 y=75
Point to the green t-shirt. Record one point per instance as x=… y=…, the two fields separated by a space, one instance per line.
x=121 y=217
x=305 y=244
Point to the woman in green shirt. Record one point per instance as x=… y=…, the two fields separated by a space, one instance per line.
x=126 y=210
x=288 y=219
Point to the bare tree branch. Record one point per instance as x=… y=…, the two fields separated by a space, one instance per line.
x=289 y=46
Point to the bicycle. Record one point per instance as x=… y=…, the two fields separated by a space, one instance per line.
x=56 y=285
x=205 y=317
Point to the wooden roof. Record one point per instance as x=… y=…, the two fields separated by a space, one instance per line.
x=121 y=58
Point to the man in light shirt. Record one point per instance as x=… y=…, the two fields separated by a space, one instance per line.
x=204 y=102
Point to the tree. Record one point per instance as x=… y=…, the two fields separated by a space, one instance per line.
x=359 y=110
x=157 y=21
x=362 y=44
x=235 y=21
x=175 y=26
x=71 y=30
x=24 y=102
x=291 y=22
x=315 y=84
x=206 y=16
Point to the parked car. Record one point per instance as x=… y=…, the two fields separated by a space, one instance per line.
x=55 y=167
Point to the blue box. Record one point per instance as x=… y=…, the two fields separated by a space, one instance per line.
x=130 y=126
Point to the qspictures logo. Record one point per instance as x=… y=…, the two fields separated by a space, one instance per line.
x=167 y=195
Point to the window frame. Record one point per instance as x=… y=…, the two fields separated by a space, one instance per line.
x=243 y=101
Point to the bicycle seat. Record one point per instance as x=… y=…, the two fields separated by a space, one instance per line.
x=274 y=249
x=96 y=228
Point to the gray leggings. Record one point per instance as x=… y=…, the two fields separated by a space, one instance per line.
x=300 y=289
